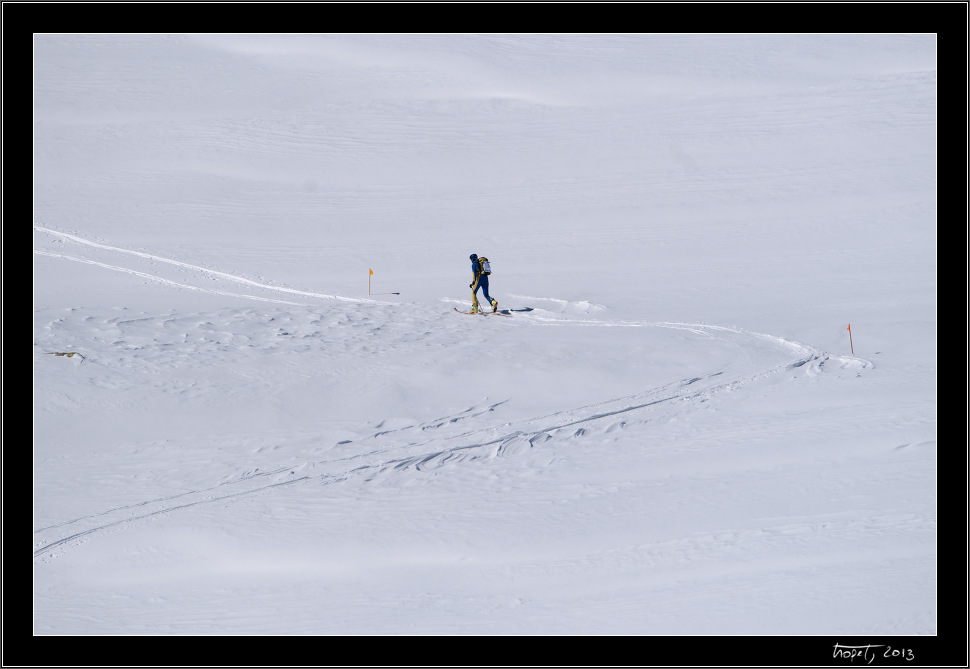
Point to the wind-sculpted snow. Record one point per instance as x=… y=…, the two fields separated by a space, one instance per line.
x=119 y=352
x=256 y=412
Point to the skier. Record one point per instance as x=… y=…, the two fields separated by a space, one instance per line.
x=481 y=281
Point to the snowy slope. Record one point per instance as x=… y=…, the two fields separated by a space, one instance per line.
x=670 y=433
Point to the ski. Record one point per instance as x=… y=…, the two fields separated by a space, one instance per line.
x=481 y=313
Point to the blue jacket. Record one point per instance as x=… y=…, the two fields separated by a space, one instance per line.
x=477 y=276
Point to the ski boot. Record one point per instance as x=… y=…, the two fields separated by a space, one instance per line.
x=494 y=306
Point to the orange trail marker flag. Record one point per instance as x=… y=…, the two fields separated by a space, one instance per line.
x=850 y=338
x=368 y=281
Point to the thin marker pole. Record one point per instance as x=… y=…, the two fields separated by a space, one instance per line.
x=368 y=281
x=850 y=338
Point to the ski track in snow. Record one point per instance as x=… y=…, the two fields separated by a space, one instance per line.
x=195 y=269
x=444 y=441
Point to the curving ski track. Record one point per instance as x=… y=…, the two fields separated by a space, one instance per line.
x=437 y=442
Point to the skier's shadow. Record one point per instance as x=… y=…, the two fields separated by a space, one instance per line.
x=522 y=309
